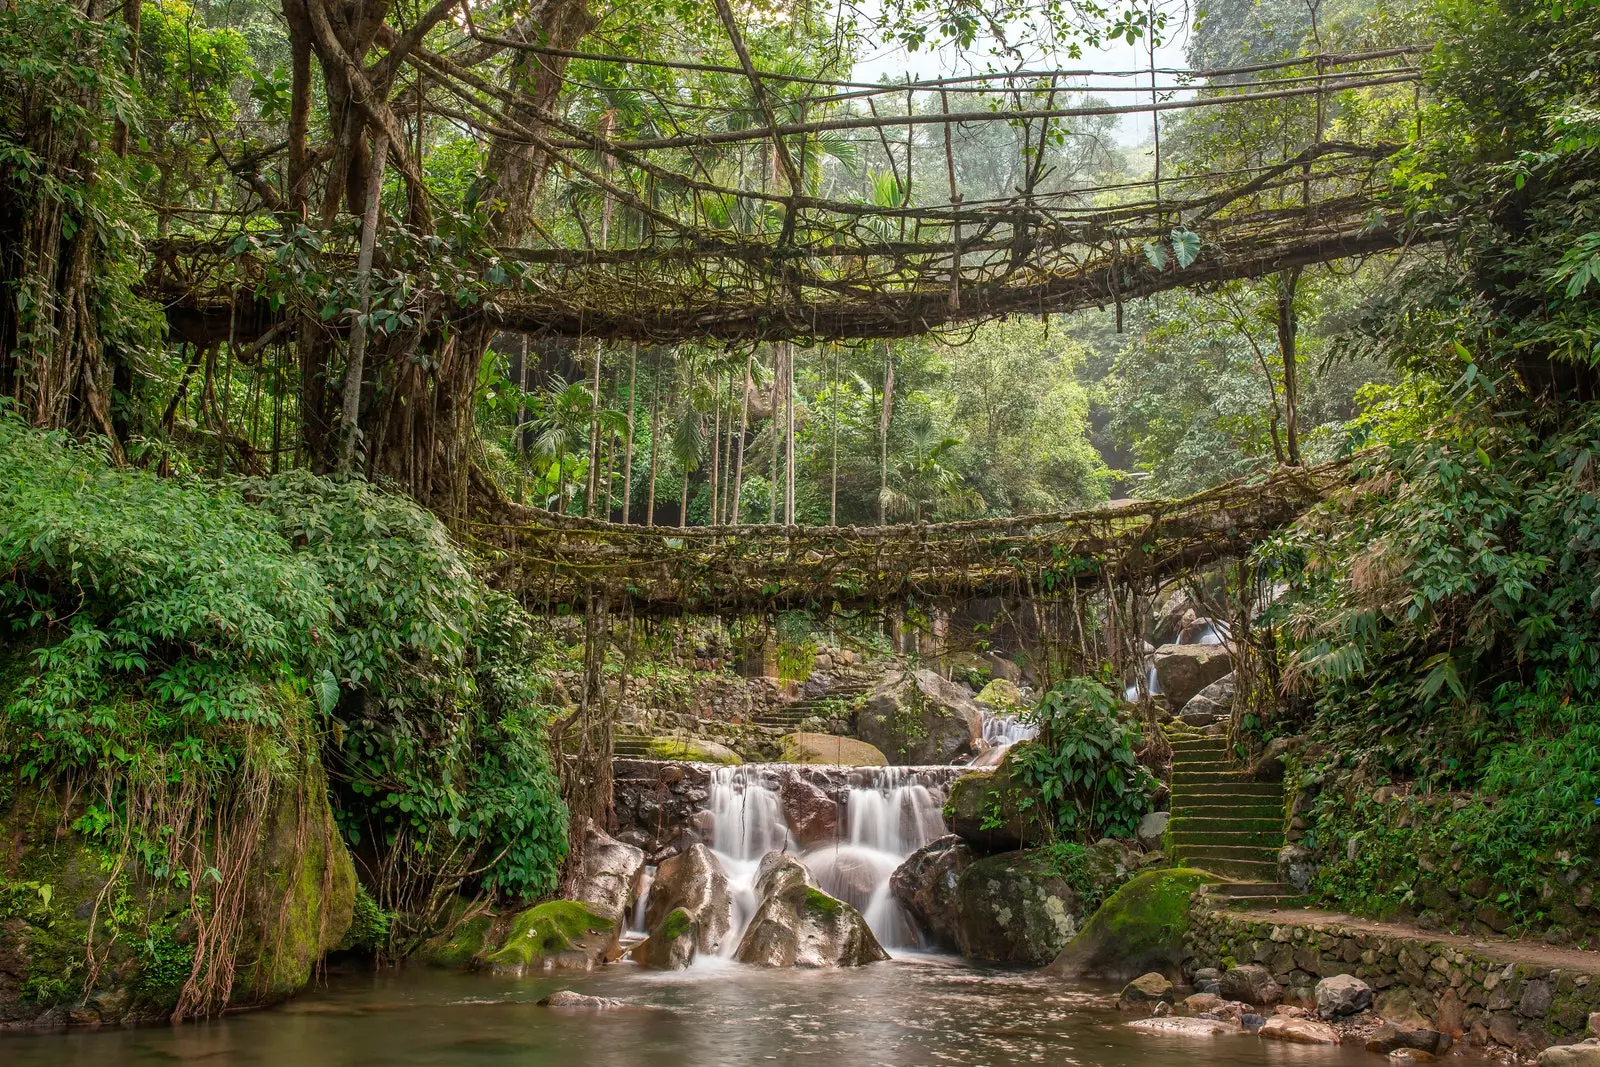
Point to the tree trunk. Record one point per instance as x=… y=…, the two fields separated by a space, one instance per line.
x=627 y=455
x=788 y=489
x=833 y=500
x=777 y=432
x=1288 y=327
x=744 y=427
x=716 y=446
x=348 y=430
x=594 y=435
x=655 y=419
x=883 y=433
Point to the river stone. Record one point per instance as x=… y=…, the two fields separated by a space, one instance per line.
x=1342 y=995
x=610 y=870
x=1585 y=1055
x=693 y=882
x=1388 y=1037
x=1145 y=990
x=672 y=944
x=1184 y=670
x=982 y=808
x=917 y=717
x=1178 y=1026
x=566 y=998
x=798 y=925
x=810 y=813
x=1015 y=908
x=558 y=935
x=1141 y=927
x=828 y=750
x=1299 y=1031
x=925 y=885
x=1252 y=984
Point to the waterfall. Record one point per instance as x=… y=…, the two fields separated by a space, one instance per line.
x=1000 y=732
x=888 y=813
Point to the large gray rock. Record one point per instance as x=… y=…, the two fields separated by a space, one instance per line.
x=925 y=885
x=983 y=808
x=1342 y=995
x=694 y=883
x=610 y=870
x=1297 y=866
x=1183 y=670
x=917 y=717
x=1152 y=827
x=1389 y=1036
x=1018 y=907
x=1213 y=702
x=798 y=925
x=1252 y=984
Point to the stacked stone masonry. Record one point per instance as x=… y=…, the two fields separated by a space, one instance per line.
x=1473 y=991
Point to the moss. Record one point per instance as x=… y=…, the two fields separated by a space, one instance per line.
x=691 y=749
x=1141 y=927
x=817 y=900
x=369 y=925
x=677 y=923
x=462 y=945
x=545 y=930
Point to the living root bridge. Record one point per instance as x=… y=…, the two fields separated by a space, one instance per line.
x=551 y=561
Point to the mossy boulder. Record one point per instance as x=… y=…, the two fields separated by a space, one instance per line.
x=1023 y=907
x=798 y=925
x=1141 y=927
x=558 y=935
x=985 y=809
x=459 y=946
x=917 y=717
x=1000 y=694
x=672 y=946
x=829 y=750
x=692 y=750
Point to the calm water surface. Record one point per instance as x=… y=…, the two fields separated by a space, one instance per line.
x=910 y=1011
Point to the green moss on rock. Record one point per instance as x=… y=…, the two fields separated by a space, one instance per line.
x=693 y=750
x=547 y=930
x=460 y=946
x=677 y=923
x=817 y=900
x=985 y=809
x=1141 y=927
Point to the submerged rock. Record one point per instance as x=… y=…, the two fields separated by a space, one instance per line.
x=917 y=717
x=691 y=884
x=1141 y=927
x=1177 y=1026
x=828 y=750
x=925 y=885
x=566 y=998
x=798 y=925
x=558 y=935
x=1145 y=991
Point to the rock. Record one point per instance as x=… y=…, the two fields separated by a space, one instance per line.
x=1299 y=1031
x=1000 y=694
x=1199 y=1003
x=917 y=717
x=1202 y=631
x=1176 y=1026
x=1207 y=980
x=692 y=750
x=1141 y=927
x=565 y=935
x=1184 y=670
x=1398 y=1006
x=1271 y=764
x=812 y=815
x=694 y=883
x=1388 y=1037
x=1342 y=995
x=1252 y=1022
x=1175 y=613
x=1412 y=1055
x=925 y=885
x=1015 y=908
x=828 y=750
x=982 y=809
x=1570 y=1056
x=610 y=869
x=1152 y=827
x=1594 y=1024
x=1297 y=866
x=672 y=944
x=566 y=998
x=1144 y=991
x=798 y=925
x=1252 y=984
x=1000 y=667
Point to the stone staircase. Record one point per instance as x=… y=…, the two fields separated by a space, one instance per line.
x=1225 y=822
x=787 y=719
x=629 y=744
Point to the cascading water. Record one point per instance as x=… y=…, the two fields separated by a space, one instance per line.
x=889 y=813
x=1000 y=732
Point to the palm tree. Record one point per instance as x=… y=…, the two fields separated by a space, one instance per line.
x=563 y=417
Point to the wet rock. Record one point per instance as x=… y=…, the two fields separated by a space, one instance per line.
x=1144 y=991
x=1252 y=984
x=982 y=808
x=1176 y=1026
x=828 y=750
x=559 y=935
x=917 y=717
x=566 y=998
x=1207 y=980
x=610 y=870
x=1299 y=1031
x=812 y=815
x=1016 y=907
x=1152 y=827
x=1411 y=1055
x=1141 y=927
x=1184 y=670
x=672 y=944
x=1200 y=1003
x=1584 y=1055
x=694 y=883
x=1252 y=1022
x=1342 y=995
x=1388 y=1037
x=798 y=925
x=925 y=885
x=1171 y=618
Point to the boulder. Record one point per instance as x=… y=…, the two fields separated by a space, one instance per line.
x=672 y=944
x=798 y=925
x=694 y=883
x=1297 y=866
x=566 y=998
x=1272 y=764
x=1388 y=1037
x=1171 y=616
x=811 y=814
x=983 y=808
x=1144 y=991
x=1152 y=827
x=1202 y=631
x=1299 y=1031
x=1200 y=1003
x=925 y=885
x=828 y=750
x=1000 y=667
x=1141 y=927
x=1585 y=1055
x=1184 y=670
x=1252 y=984
x=692 y=750
x=1207 y=980
x=917 y=717
x=1342 y=995
x=1176 y=1026
x=558 y=935
x=610 y=871
x=1016 y=907
x=1000 y=694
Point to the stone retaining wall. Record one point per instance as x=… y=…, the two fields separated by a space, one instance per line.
x=1469 y=990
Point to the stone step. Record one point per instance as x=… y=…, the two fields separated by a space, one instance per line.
x=1250 y=805
x=1233 y=789
x=1272 y=839
x=1225 y=823
x=1252 y=889
x=1184 y=777
x=1257 y=870
x=1249 y=853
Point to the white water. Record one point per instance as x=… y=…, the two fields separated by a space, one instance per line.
x=889 y=813
x=1000 y=732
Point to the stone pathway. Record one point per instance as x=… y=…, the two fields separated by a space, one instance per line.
x=1222 y=821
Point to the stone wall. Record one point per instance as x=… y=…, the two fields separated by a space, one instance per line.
x=1522 y=996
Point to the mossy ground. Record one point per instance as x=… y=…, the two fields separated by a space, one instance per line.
x=545 y=930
